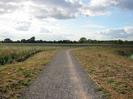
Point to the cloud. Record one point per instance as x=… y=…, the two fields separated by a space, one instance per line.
x=103 y=7
x=44 y=30
x=59 y=9
x=97 y=7
x=8 y=6
x=23 y=26
x=5 y=35
x=126 y=4
x=115 y=34
x=64 y=9
x=122 y=33
x=129 y=29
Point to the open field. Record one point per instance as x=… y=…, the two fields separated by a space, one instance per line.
x=20 y=65
x=110 y=68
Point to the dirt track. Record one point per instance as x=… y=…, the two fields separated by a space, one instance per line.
x=63 y=78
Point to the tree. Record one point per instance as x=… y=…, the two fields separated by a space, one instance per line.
x=7 y=40
x=120 y=42
x=31 y=40
x=89 y=41
x=83 y=40
x=23 y=41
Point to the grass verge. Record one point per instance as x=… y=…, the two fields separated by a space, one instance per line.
x=15 y=77
x=13 y=54
x=112 y=72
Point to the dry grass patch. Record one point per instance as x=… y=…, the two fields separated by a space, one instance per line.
x=14 y=77
x=112 y=72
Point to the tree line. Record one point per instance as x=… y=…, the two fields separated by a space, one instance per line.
x=81 y=40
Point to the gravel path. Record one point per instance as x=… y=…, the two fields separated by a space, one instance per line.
x=63 y=78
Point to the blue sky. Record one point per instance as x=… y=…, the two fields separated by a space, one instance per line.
x=66 y=19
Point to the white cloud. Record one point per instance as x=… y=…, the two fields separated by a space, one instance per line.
x=59 y=9
x=64 y=9
x=125 y=33
x=126 y=4
x=23 y=26
x=129 y=29
x=103 y=7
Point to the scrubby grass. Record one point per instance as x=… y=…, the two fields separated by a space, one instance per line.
x=127 y=52
x=14 y=77
x=16 y=54
x=111 y=70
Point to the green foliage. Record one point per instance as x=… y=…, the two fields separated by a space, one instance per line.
x=83 y=40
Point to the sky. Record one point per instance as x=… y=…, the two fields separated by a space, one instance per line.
x=66 y=19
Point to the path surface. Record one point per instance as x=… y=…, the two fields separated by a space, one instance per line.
x=63 y=78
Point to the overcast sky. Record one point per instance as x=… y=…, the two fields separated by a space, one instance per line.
x=66 y=19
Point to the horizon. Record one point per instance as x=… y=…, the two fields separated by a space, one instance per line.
x=63 y=40
x=66 y=19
